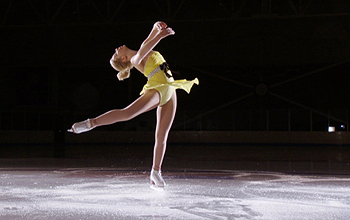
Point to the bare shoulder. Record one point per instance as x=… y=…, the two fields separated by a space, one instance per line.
x=141 y=65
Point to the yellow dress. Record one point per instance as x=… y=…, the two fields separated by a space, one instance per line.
x=164 y=85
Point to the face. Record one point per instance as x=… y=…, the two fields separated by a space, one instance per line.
x=119 y=52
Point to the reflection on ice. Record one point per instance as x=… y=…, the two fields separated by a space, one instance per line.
x=119 y=194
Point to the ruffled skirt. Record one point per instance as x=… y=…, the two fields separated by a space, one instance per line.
x=167 y=89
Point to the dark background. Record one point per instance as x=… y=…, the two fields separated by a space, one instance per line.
x=263 y=65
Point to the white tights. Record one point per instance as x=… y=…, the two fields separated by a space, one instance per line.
x=148 y=101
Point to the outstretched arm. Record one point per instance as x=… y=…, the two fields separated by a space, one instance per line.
x=159 y=31
x=157 y=27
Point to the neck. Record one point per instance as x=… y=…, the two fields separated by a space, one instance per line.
x=130 y=54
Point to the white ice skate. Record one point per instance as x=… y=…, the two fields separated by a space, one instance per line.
x=157 y=180
x=81 y=127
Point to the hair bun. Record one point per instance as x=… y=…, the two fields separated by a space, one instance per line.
x=123 y=74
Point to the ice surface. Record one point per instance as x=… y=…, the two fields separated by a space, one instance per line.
x=99 y=193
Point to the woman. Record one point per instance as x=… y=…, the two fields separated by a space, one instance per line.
x=159 y=92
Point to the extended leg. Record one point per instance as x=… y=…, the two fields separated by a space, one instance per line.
x=144 y=103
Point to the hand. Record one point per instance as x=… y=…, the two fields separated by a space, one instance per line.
x=160 y=25
x=166 y=32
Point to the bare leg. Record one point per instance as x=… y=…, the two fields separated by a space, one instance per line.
x=165 y=118
x=146 y=102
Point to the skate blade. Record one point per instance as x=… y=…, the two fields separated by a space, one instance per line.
x=156 y=188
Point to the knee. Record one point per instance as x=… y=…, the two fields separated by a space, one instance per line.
x=126 y=114
x=161 y=141
x=161 y=138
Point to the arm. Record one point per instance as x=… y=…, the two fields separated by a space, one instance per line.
x=150 y=43
x=158 y=26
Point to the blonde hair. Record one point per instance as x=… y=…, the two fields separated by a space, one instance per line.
x=123 y=68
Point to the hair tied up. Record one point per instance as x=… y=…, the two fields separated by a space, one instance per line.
x=123 y=68
x=123 y=74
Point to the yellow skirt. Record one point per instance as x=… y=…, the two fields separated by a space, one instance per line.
x=167 y=89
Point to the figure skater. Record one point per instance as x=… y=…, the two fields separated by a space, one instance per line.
x=159 y=92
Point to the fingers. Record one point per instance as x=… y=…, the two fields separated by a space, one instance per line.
x=166 y=32
x=160 y=25
x=169 y=31
x=163 y=29
x=163 y=25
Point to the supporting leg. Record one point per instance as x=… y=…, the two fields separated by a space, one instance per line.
x=165 y=118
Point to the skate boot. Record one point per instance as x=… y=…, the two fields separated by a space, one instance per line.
x=81 y=127
x=157 y=179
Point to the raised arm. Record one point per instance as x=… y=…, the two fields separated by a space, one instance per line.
x=157 y=27
x=159 y=31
